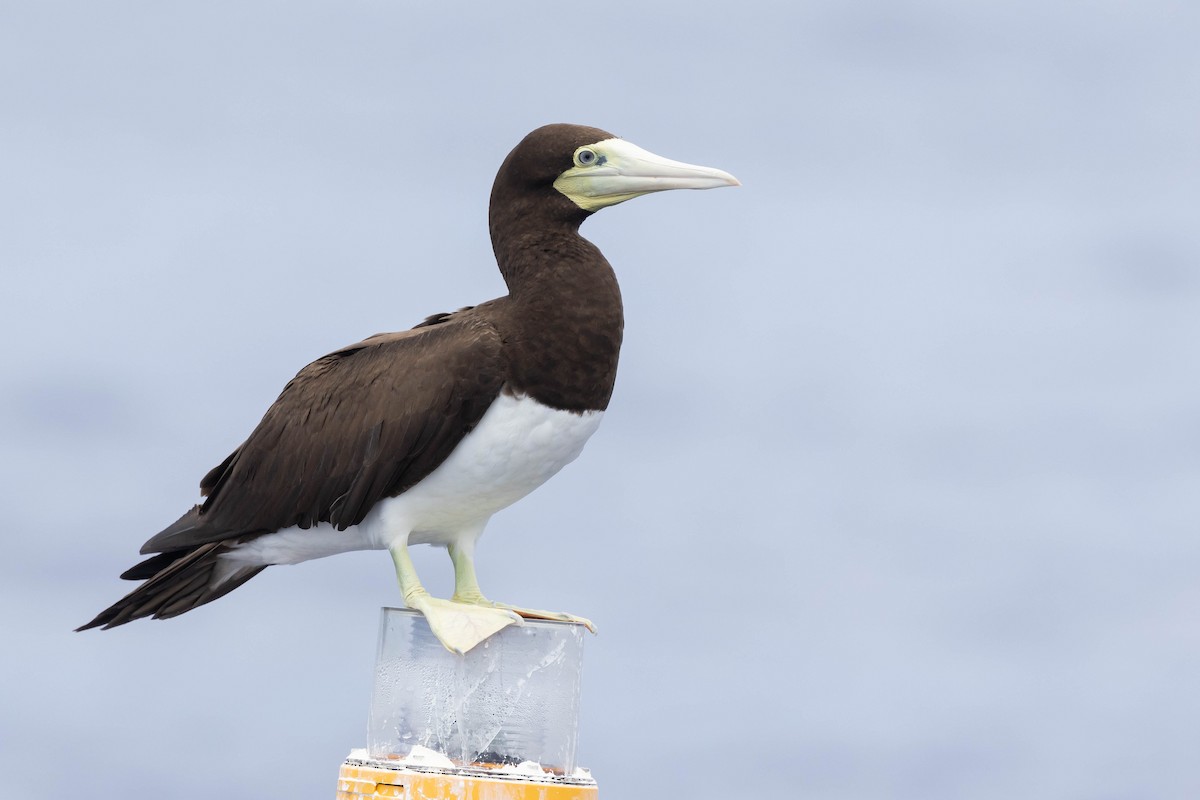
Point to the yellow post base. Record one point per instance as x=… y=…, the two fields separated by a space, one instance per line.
x=368 y=781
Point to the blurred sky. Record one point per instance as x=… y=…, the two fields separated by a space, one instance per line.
x=898 y=493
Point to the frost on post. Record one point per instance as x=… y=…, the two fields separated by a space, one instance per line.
x=511 y=703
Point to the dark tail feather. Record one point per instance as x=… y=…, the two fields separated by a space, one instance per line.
x=175 y=583
x=152 y=565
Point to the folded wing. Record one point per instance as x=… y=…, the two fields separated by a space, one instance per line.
x=363 y=423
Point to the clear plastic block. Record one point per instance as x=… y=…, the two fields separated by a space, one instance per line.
x=512 y=700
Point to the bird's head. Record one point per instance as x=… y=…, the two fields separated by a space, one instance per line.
x=591 y=169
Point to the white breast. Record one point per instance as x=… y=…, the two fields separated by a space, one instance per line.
x=516 y=447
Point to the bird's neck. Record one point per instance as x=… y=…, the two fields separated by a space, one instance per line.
x=568 y=319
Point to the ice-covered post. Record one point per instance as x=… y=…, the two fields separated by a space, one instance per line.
x=501 y=721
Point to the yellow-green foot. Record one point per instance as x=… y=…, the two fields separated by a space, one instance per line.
x=534 y=613
x=466 y=590
x=527 y=613
x=461 y=626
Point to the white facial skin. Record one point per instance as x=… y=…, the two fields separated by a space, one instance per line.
x=614 y=170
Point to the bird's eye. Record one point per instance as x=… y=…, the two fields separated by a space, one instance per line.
x=585 y=157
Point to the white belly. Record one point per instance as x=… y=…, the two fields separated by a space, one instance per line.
x=517 y=446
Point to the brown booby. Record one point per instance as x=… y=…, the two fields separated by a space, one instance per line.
x=419 y=437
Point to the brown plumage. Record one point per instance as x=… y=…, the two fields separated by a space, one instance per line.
x=372 y=420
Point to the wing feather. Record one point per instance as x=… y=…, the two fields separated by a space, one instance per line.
x=356 y=426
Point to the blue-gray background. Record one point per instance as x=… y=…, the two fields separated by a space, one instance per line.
x=897 y=496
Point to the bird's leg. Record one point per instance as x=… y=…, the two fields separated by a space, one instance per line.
x=458 y=626
x=466 y=584
x=466 y=589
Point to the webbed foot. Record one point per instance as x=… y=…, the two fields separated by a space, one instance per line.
x=461 y=626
